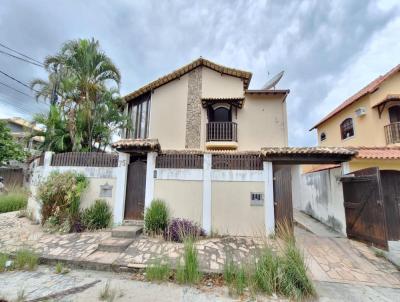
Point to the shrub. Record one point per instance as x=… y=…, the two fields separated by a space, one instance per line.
x=189 y=272
x=13 y=201
x=26 y=259
x=97 y=216
x=267 y=272
x=60 y=194
x=158 y=271
x=156 y=217
x=236 y=277
x=179 y=229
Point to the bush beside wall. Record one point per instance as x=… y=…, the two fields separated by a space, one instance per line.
x=13 y=201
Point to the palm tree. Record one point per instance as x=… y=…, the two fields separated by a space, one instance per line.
x=80 y=72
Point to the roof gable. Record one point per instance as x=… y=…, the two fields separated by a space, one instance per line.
x=370 y=88
x=245 y=75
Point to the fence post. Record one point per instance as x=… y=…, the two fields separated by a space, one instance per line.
x=47 y=163
x=120 y=190
x=269 y=198
x=151 y=166
x=206 y=218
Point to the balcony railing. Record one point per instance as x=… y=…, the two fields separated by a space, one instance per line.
x=392 y=133
x=222 y=131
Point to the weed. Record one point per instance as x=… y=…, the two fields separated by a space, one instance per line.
x=21 y=296
x=156 y=217
x=379 y=253
x=158 y=271
x=16 y=199
x=26 y=259
x=59 y=268
x=97 y=216
x=107 y=293
x=3 y=261
x=267 y=272
x=189 y=273
x=230 y=270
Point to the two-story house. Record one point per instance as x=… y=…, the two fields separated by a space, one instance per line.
x=369 y=121
x=209 y=146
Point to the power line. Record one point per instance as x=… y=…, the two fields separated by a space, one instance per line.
x=19 y=58
x=4 y=84
x=18 y=81
x=21 y=54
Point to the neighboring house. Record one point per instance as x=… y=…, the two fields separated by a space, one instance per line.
x=213 y=149
x=365 y=202
x=369 y=121
x=22 y=131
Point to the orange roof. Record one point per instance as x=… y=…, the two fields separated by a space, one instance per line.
x=370 y=88
x=378 y=153
x=245 y=75
x=323 y=167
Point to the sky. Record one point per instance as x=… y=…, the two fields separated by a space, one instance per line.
x=328 y=49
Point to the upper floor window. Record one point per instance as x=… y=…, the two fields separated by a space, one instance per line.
x=219 y=113
x=139 y=113
x=323 y=136
x=394 y=114
x=346 y=128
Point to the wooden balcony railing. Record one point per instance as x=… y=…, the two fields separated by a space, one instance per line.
x=222 y=131
x=392 y=133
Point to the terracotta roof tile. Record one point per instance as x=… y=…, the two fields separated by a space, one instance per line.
x=378 y=153
x=137 y=144
x=370 y=88
x=307 y=150
x=245 y=75
x=323 y=167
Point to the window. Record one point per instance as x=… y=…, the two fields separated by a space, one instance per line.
x=346 y=128
x=219 y=113
x=394 y=114
x=323 y=136
x=139 y=112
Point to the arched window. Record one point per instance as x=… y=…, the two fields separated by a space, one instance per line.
x=323 y=136
x=394 y=114
x=346 y=128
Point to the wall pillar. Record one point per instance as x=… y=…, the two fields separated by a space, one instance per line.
x=345 y=168
x=120 y=190
x=150 y=168
x=269 y=198
x=47 y=164
x=206 y=217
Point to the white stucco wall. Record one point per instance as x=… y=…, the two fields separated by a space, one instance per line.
x=320 y=194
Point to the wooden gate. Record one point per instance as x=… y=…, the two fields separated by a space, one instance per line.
x=283 y=195
x=391 y=196
x=364 y=207
x=135 y=190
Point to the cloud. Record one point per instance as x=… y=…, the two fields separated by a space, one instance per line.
x=328 y=49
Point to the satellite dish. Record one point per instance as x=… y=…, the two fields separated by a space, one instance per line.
x=272 y=83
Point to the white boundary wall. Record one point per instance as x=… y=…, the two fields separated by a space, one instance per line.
x=97 y=176
x=320 y=194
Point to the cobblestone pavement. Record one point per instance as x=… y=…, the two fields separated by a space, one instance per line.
x=346 y=261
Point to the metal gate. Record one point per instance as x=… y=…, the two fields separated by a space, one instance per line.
x=135 y=190
x=364 y=206
x=283 y=195
x=391 y=196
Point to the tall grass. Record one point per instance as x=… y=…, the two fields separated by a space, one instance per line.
x=158 y=271
x=16 y=199
x=272 y=273
x=189 y=273
x=26 y=259
x=3 y=261
x=156 y=217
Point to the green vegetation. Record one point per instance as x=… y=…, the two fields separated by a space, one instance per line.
x=26 y=260
x=156 y=217
x=158 y=271
x=60 y=195
x=97 y=216
x=9 y=147
x=85 y=113
x=14 y=200
x=189 y=273
x=379 y=253
x=107 y=293
x=3 y=260
x=270 y=273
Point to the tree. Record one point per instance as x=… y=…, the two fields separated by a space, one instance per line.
x=80 y=75
x=9 y=148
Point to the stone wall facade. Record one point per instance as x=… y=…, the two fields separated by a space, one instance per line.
x=193 y=112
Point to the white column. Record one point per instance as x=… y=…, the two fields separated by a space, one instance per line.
x=207 y=193
x=151 y=166
x=47 y=164
x=269 y=198
x=120 y=189
x=345 y=168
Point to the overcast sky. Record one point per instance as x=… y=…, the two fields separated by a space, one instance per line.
x=328 y=49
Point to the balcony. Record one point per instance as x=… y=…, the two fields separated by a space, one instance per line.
x=221 y=135
x=392 y=133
